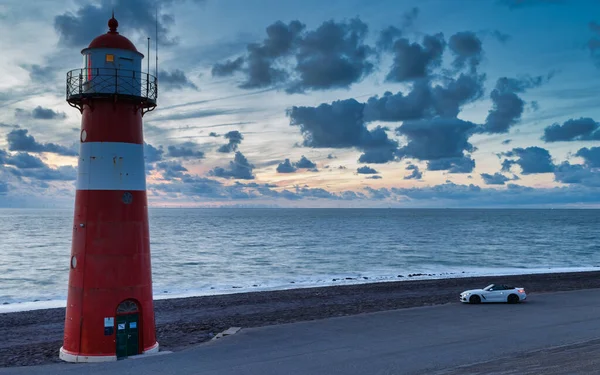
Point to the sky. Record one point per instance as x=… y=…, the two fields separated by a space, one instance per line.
x=344 y=103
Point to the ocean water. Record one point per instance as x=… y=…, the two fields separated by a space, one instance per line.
x=217 y=251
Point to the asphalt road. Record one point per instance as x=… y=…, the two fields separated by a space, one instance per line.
x=421 y=340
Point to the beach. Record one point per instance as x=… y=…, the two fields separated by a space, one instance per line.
x=34 y=337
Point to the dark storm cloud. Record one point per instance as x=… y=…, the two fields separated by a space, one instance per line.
x=341 y=125
x=466 y=46
x=463 y=164
x=175 y=79
x=19 y=140
x=185 y=151
x=577 y=174
x=581 y=129
x=332 y=56
x=495 y=179
x=366 y=170
x=416 y=173
x=286 y=167
x=239 y=168
x=591 y=156
x=531 y=160
x=152 y=154
x=507 y=105
x=40 y=113
x=79 y=28
x=413 y=60
x=235 y=138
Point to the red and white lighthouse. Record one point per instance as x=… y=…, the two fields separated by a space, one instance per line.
x=110 y=311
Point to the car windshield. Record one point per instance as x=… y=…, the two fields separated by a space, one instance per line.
x=489 y=287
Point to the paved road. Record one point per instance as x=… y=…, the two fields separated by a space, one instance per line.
x=407 y=341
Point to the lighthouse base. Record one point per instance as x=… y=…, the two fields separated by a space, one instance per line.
x=82 y=358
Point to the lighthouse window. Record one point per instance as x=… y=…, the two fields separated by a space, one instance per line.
x=110 y=58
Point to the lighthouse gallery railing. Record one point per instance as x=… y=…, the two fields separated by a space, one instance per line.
x=97 y=82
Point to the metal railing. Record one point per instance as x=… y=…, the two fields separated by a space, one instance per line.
x=97 y=82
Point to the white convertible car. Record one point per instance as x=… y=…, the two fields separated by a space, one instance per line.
x=494 y=293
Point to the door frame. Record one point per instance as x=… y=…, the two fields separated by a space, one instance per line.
x=140 y=325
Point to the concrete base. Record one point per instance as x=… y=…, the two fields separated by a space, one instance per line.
x=82 y=358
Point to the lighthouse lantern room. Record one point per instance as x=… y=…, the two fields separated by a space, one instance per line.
x=110 y=313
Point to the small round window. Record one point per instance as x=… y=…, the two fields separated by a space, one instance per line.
x=83 y=135
x=73 y=262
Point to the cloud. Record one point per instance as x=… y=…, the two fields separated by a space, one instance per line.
x=463 y=164
x=40 y=113
x=506 y=141
x=577 y=174
x=414 y=61
x=239 y=168
x=286 y=167
x=416 y=173
x=45 y=173
x=22 y=160
x=366 y=170
x=590 y=155
x=175 y=79
x=152 y=154
x=341 y=125
x=305 y=163
x=235 y=139
x=531 y=160
x=171 y=169
x=89 y=21
x=227 y=68
x=581 y=129
x=331 y=56
x=466 y=46
x=375 y=177
x=19 y=140
x=436 y=138
x=450 y=194
x=495 y=179
x=184 y=151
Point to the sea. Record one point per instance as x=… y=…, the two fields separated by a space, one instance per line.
x=207 y=251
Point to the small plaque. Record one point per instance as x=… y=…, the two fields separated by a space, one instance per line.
x=108 y=331
x=133 y=325
x=121 y=326
x=109 y=322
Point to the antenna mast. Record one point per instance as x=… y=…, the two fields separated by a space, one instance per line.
x=156 y=44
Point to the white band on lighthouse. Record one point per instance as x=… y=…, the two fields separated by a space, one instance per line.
x=111 y=166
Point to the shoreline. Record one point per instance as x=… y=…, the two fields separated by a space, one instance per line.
x=34 y=337
x=336 y=280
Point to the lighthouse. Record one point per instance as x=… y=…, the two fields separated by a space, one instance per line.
x=110 y=312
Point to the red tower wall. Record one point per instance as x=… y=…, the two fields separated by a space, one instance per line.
x=110 y=231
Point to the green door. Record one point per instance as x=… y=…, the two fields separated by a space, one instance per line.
x=127 y=335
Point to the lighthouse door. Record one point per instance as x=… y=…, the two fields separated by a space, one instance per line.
x=127 y=329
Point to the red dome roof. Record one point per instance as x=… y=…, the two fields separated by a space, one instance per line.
x=112 y=39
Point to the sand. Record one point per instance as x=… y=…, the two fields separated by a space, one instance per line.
x=34 y=337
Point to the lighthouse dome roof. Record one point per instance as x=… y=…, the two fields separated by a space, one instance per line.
x=112 y=39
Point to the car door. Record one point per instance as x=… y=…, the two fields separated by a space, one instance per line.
x=495 y=294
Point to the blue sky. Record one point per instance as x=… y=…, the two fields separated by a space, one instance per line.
x=345 y=103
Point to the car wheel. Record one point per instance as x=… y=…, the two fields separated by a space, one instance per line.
x=513 y=298
x=474 y=299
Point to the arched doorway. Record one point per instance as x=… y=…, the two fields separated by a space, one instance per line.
x=128 y=328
